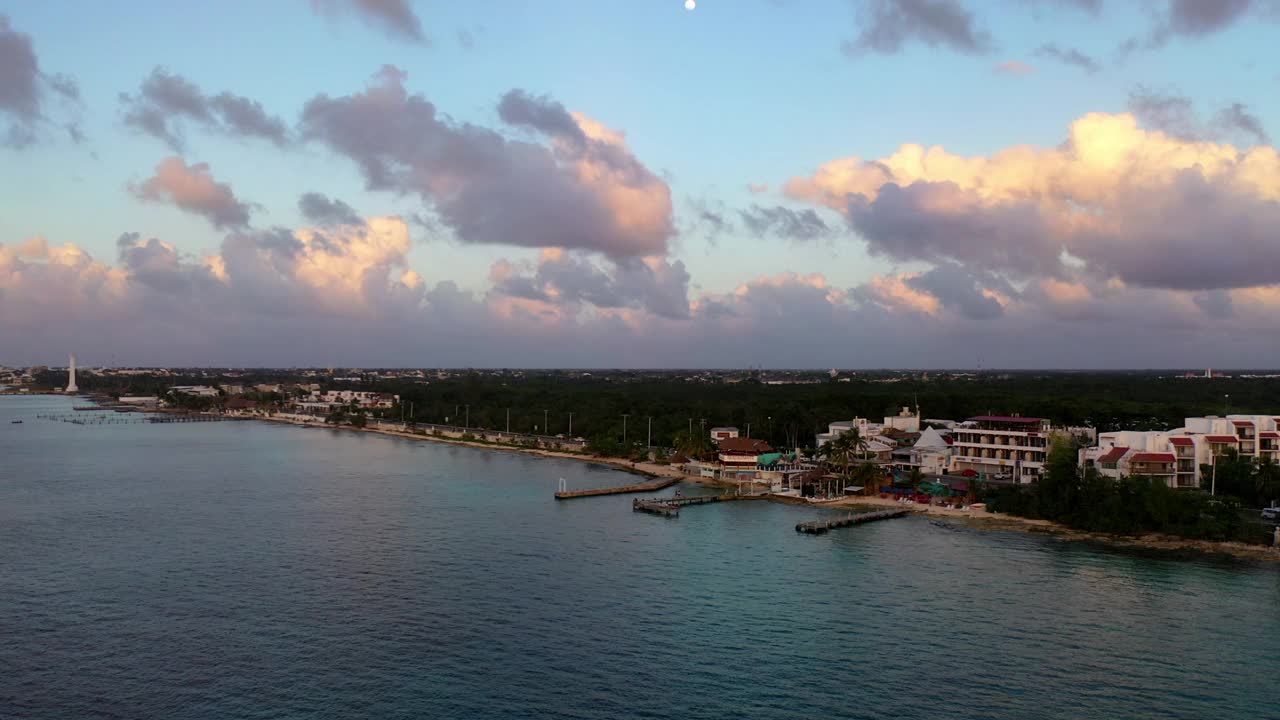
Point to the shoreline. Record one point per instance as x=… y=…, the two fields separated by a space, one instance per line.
x=984 y=520
x=646 y=469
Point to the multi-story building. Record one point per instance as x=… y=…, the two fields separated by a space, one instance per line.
x=1179 y=456
x=362 y=398
x=906 y=421
x=1001 y=447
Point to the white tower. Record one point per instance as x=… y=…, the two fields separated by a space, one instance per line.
x=71 y=376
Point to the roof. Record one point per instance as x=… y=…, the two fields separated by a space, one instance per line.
x=1248 y=423
x=1180 y=441
x=930 y=438
x=724 y=429
x=1008 y=419
x=1222 y=438
x=745 y=446
x=1152 y=457
x=1269 y=434
x=1113 y=454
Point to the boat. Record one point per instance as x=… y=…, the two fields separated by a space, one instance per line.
x=16 y=422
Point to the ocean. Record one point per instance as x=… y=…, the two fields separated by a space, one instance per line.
x=250 y=570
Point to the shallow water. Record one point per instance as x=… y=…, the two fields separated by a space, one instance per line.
x=248 y=570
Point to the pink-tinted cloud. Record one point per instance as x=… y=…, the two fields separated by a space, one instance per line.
x=1139 y=205
x=582 y=189
x=192 y=188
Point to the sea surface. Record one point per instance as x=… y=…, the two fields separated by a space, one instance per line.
x=250 y=570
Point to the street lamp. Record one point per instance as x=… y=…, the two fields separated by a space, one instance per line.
x=570 y=424
x=467 y=423
x=624 y=429
x=648 y=441
x=545 y=426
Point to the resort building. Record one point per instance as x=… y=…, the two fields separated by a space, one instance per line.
x=362 y=398
x=931 y=454
x=1001 y=447
x=1178 y=456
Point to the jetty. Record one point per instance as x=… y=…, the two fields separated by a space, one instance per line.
x=670 y=506
x=818 y=527
x=565 y=494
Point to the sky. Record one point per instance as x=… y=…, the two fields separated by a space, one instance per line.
x=864 y=184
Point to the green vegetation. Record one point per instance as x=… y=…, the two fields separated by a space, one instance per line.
x=1085 y=500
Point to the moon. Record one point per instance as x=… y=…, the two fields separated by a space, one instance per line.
x=690 y=4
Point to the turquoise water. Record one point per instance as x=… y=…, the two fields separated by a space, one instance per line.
x=247 y=570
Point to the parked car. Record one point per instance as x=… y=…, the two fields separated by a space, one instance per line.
x=1271 y=514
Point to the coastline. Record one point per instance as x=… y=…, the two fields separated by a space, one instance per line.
x=646 y=469
x=975 y=519
x=991 y=521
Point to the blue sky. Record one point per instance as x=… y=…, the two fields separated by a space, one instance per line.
x=710 y=100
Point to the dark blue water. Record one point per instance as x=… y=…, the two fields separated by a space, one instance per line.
x=246 y=570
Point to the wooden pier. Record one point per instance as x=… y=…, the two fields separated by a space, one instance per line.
x=658 y=484
x=670 y=506
x=818 y=527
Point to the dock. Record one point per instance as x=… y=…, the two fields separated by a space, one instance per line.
x=818 y=527
x=658 y=484
x=670 y=506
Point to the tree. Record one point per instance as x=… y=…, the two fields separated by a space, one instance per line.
x=1266 y=479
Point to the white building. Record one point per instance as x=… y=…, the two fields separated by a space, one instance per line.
x=1007 y=447
x=906 y=421
x=196 y=390
x=931 y=453
x=723 y=433
x=362 y=398
x=1177 y=456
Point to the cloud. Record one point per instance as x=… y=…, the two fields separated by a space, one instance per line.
x=166 y=102
x=784 y=222
x=393 y=17
x=1176 y=115
x=1193 y=19
x=887 y=26
x=347 y=296
x=655 y=285
x=1014 y=67
x=1141 y=206
x=191 y=188
x=1237 y=118
x=24 y=88
x=580 y=188
x=1069 y=56
x=320 y=210
x=957 y=287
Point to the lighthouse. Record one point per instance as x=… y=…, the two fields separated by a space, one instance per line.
x=71 y=375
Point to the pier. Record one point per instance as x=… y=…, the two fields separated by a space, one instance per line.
x=670 y=506
x=659 y=484
x=818 y=527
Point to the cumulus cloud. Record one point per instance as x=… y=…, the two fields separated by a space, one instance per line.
x=1141 y=206
x=192 y=188
x=24 y=88
x=580 y=188
x=887 y=26
x=347 y=296
x=320 y=210
x=393 y=17
x=784 y=222
x=1069 y=56
x=166 y=102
